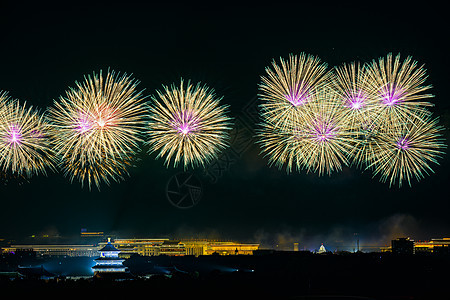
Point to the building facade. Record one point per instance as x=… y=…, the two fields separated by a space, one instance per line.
x=56 y=250
x=436 y=246
x=143 y=247
x=230 y=248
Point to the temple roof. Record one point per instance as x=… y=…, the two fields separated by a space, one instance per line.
x=109 y=259
x=118 y=267
x=109 y=247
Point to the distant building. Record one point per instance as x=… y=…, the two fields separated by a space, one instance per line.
x=402 y=246
x=109 y=261
x=143 y=247
x=295 y=246
x=155 y=247
x=172 y=248
x=435 y=246
x=322 y=249
x=55 y=250
x=85 y=234
x=196 y=247
x=230 y=248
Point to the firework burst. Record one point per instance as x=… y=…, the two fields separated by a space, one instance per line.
x=286 y=89
x=351 y=83
x=318 y=142
x=325 y=138
x=407 y=150
x=97 y=128
x=399 y=88
x=24 y=143
x=187 y=125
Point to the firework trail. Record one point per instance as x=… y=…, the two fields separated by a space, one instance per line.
x=97 y=128
x=24 y=143
x=279 y=145
x=187 y=125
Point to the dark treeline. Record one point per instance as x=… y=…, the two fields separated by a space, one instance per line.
x=287 y=275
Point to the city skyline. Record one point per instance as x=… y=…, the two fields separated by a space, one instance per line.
x=351 y=243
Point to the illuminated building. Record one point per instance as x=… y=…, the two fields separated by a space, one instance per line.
x=85 y=233
x=143 y=247
x=172 y=248
x=436 y=246
x=109 y=261
x=155 y=247
x=230 y=248
x=322 y=249
x=195 y=247
x=56 y=250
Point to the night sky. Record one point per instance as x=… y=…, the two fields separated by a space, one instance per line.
x=45 y=49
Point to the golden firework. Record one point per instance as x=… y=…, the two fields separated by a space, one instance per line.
x=407 y=150
x=24 y=142
x=187 y=125
x=97 y=128
x=286 y=89
x=319 y=141
x=399 y=89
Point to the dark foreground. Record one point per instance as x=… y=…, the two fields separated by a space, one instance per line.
x=265 y=276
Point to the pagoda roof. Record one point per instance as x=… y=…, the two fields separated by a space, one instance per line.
x=109 y=259
x=109 y=247
x=119 y=267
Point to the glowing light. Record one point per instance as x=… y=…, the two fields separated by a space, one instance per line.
x=83 y=125
x=296 y=98
x=185 y=122
x=323 y=131
x=403 y=144
x=184 y=129
x=358 y=101
x=391 y=98
x=101 y=123
x=15 y=136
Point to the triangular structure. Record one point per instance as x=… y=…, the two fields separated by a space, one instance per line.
x=322 y=249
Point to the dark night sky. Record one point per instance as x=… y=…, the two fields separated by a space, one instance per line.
x=45 y=49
